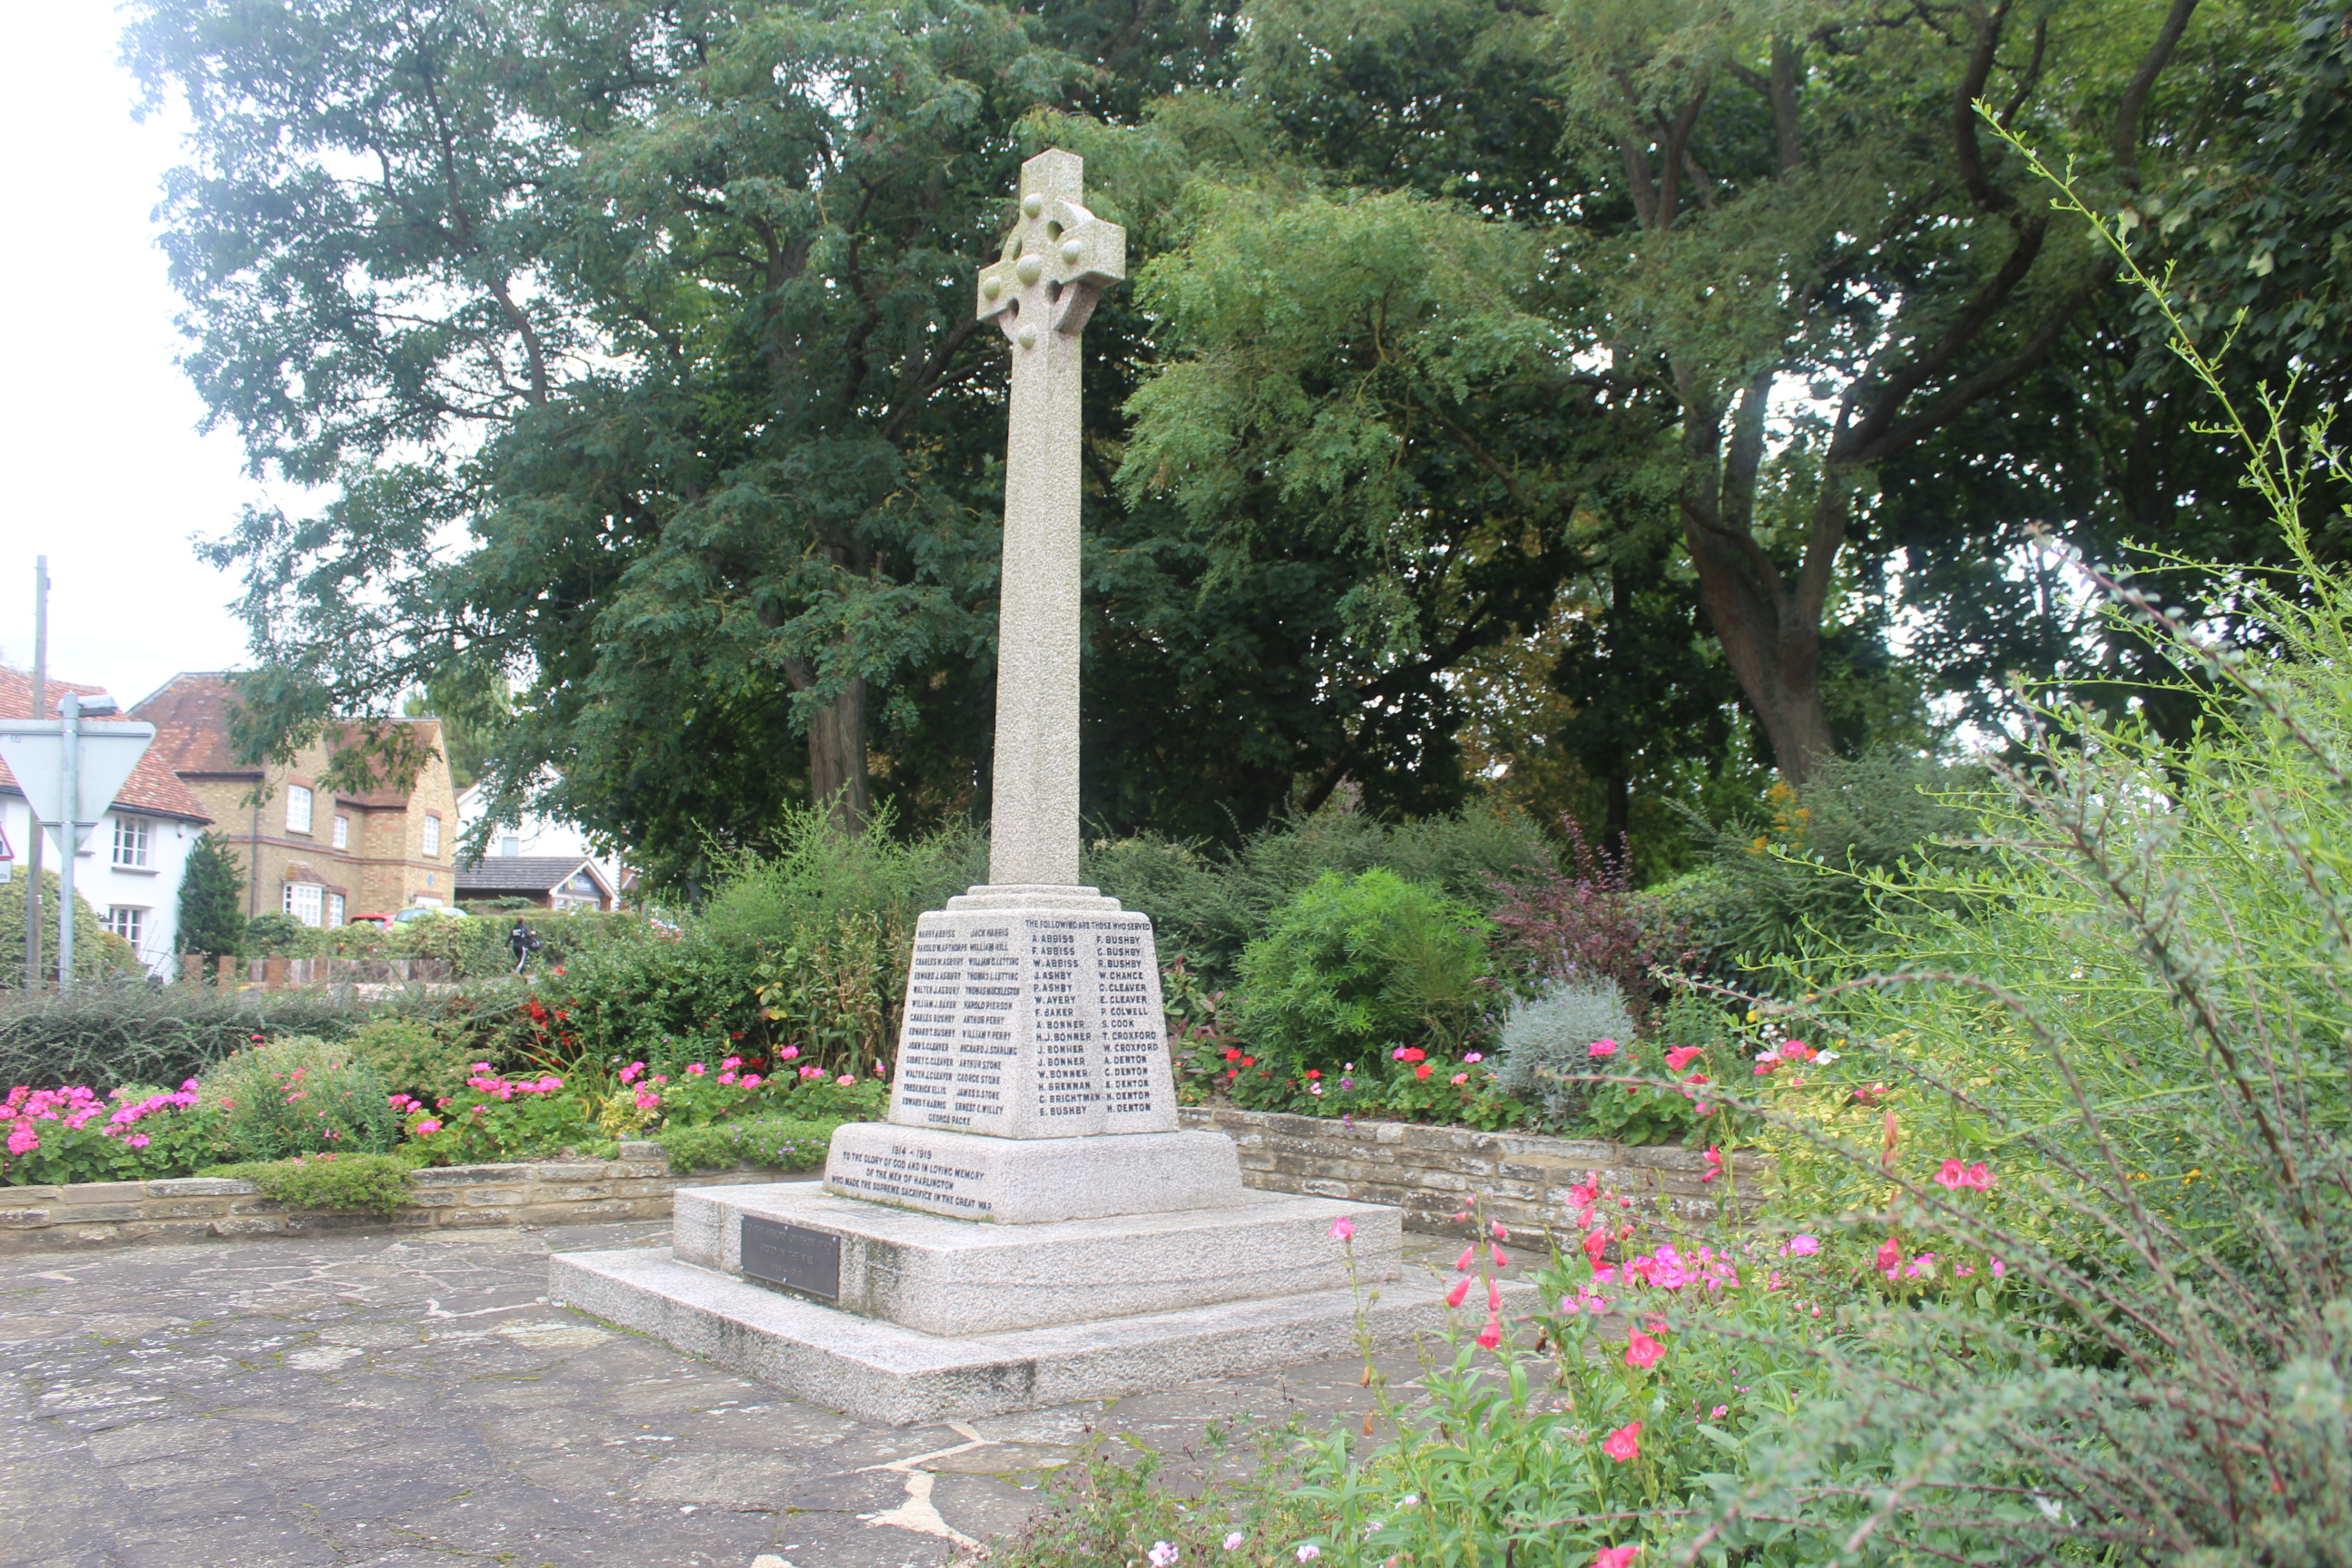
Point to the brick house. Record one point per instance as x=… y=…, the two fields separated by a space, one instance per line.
x=130 y=870
x=321 y=856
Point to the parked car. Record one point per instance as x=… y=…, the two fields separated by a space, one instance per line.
x=428 y=913
x=383 y=921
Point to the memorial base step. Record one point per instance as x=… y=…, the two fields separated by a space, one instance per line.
x=1031 y=1180
x=880 y=1371
x=952 y=1278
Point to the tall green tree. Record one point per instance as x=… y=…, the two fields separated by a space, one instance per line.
x=635 y=346
x=1779 y=231
x=211 y=899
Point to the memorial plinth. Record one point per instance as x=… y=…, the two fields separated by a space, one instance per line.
x=1029 y=1226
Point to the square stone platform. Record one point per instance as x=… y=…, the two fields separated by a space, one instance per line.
x=937 y=1319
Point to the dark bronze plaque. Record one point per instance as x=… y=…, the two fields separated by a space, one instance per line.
x=808 y=1261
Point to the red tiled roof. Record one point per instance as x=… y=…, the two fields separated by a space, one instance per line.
x=190 y=713
x=153 y=785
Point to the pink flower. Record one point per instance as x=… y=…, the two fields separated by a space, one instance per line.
x=1714 y=1164
x=1502 y=1259
x=629 y=1074
x=1494 y=1298
x=138 y=1140
x=1614 y=1557
x=846 y=1079
x=1458 y=1078
x=807 y=1071
x=549 y=1085
x=427 y=1126
x=1343 y=1228
x=1952 y=1176
x=1601 y=1048
x=1492 y=1334
x=788 y=1052
x=1979 y=1175
x=1162 y=1555
x=1890 y=1256
x=1679 y=1057
x=1623 y=1444
x=731 y=1063
x=1501 y=1232
x=1642 y=1351
x=1474 y=1056
x=726 y=1077
x=750 y=1080
x=1999 y=1268
x=1718 y=1412
x=1461 y=1291
x=696 y=1070
x=479 y=1067
x=1309 y=1551
x=1469 y=1254
x=22 y=1139
x=1801 y=1246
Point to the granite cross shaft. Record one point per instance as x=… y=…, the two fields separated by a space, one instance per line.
x=1054 y=266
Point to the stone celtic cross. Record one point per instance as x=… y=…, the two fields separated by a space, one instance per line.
x=1056 y=265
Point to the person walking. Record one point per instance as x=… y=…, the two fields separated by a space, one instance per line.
x=524 y=941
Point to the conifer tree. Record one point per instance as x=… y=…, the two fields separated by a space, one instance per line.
x=211 y=890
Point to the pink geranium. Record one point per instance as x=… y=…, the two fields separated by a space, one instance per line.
x=1614 y=1557
x=427 y=1126
x=1601 y=1048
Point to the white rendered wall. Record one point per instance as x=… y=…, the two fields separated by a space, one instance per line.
x=102 y=885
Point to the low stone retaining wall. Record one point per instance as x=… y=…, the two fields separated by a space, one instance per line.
x=1429 y=1171
x=637 y=1185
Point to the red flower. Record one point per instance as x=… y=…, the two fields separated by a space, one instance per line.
x=1314 y=1072
x=1454 y=1297
x=1890 y=1255
x=1642 y=1351
x=1492 y=1334
x=1249 y=1061
x=1413 y=1054
x=1679 y=1057
x=1233 y=1054
x=1421 y=1072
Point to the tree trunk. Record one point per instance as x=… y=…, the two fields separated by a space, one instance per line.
x=1773 y=648
x=837 y=776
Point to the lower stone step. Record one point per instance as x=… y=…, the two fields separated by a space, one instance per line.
x=954 y=1277
x=879 y=1372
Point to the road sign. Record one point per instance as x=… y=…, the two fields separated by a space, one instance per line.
x=34 y=750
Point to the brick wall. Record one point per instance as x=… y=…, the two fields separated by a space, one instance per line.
x=638 y=1185
x=1429 y=1171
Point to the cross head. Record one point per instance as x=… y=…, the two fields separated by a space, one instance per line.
x=1057 y=260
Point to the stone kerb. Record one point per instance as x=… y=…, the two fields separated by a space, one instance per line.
x=637 y=1185
x=1429 y=1171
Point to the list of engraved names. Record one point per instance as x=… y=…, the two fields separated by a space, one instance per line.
x=1086 y=986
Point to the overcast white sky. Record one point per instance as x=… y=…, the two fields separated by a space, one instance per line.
x=105 y=472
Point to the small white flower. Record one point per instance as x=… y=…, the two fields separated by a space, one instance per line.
x=2051 y=1510
x=1309 y=1553
x=1234 y=1542
x=1408 y=1500
x=1162 y=1555
x=1826 y=1057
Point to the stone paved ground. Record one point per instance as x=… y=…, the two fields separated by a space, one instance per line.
x=368 y=1401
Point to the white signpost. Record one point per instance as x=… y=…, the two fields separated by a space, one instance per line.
x=70 y=770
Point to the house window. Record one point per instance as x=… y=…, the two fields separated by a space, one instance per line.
x=335 y=905
x=131 y=848
x=127 y=922
x=432 y=836
x=305 y=902
x=510 y=845
x=343 y=832
x=298 y=809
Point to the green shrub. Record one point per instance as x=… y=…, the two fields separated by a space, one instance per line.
x=299 y=1095
x=367 y=1184
x=274 y=933
x=99 y=955
x=1806 y=879
x=1355 y=968
x=1544 y=1051
x=1207 y=903
x=771 y=1143
x=814 y=874
x=411 y=1057
x=109 y=1035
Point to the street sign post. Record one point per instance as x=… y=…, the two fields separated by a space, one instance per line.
x=70 y=770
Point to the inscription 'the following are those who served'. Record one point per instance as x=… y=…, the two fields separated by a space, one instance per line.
x=1029 y=1017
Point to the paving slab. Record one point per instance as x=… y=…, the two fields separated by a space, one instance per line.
x=373 y=1400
